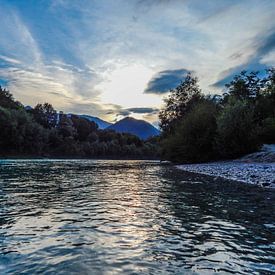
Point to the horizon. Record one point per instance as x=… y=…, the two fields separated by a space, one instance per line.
x=113 y=122
x=116 y=60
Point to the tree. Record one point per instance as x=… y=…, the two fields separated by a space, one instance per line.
x=236 y=129
x=7 y=100
x=245 y=86
x=179 y=102
x=267 y=132
x=19 y=134
x=194 y=137
x=7 y=130
x=45 y=115
x=66 y=127
x=83 y=127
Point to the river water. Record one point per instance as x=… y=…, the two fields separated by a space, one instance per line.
x=131 y=217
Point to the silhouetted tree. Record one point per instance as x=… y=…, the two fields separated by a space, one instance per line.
x=244 y=86
x=194 y=137
x=7 y=100
x=45 y=115
x=178 y=103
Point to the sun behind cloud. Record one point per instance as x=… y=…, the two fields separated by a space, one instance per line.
x=104 y=57
x=125 y=86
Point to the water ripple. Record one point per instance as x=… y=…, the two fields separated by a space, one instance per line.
x=83 y=216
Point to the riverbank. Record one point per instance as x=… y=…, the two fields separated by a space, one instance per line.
x=257 y=168
x=261 y=174
x=33 y=157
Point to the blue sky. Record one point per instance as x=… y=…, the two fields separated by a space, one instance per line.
x=115 y=58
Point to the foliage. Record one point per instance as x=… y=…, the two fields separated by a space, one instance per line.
x=19 y=134
x=45 y=115
x=179 y=102
x=236 y=130
x=236 y=123
x=267 y=132
x=7 y=100
x=244 y=86
x=43 y=132
x=194 y=138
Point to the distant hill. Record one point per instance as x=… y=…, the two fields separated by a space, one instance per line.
x=137 y=127
x=102 y=124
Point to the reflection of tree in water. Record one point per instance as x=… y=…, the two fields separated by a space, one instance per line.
x=223 y=199
x=217 y=217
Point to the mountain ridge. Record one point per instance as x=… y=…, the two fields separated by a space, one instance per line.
x=138 y=127
x=102 y=124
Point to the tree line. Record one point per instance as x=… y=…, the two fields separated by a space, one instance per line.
x=42 y=132
x=199 y=128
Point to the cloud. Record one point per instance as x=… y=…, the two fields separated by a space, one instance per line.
x=262 y=56
x=67 y=53
x=147 y=113
x=10 y=60
x=228 y=75
x=34 y=77
x=267 y=44
x=143 y=110
x=163 y=81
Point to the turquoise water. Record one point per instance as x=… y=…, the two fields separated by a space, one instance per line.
x=132 y=217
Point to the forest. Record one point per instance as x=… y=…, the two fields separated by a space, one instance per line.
x=194 y=127
x=200 y=128
x=42 y=132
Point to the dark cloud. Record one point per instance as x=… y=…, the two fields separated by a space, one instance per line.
x=262 y=45
x=262 y=48
x=165 y=80
x=143 y=110
x=228 y=75
x=123 y=112
x=267 y=45
x=120 y=112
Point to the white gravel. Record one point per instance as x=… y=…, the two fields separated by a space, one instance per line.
x=262 y=174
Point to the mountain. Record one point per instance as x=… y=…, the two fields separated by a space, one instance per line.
x=102 y=124
x=28 y=108
x=137 y=127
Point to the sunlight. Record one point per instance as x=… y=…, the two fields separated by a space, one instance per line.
x=124 y=86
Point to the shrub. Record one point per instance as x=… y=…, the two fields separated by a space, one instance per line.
x=267 y=133
x=194 y=136
x=237 y=130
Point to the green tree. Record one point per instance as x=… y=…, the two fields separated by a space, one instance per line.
x=194 y=137
x=267 y=131
x=244 y=86
x=7 y=100
x=178 y=103
x=83 y=127
x=45 y=115
x=19 y=134
x=237 y=130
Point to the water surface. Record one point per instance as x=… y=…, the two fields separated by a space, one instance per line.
x=113 y=217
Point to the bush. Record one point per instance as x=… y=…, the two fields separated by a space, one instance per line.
x=267 y=133
x=237 y=130
x=194 y=136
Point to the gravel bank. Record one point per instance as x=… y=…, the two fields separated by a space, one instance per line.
x=262 y=174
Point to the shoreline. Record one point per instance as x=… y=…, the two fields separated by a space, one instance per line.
x=73 y=158
x=255 y=173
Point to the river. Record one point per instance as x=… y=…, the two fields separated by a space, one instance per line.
x=131 y=217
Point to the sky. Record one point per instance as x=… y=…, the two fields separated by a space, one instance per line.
x=119 y=58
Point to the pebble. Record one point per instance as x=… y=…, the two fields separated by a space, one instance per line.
x=262 y=174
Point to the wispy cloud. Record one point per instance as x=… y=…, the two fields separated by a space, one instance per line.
x=108 y=58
